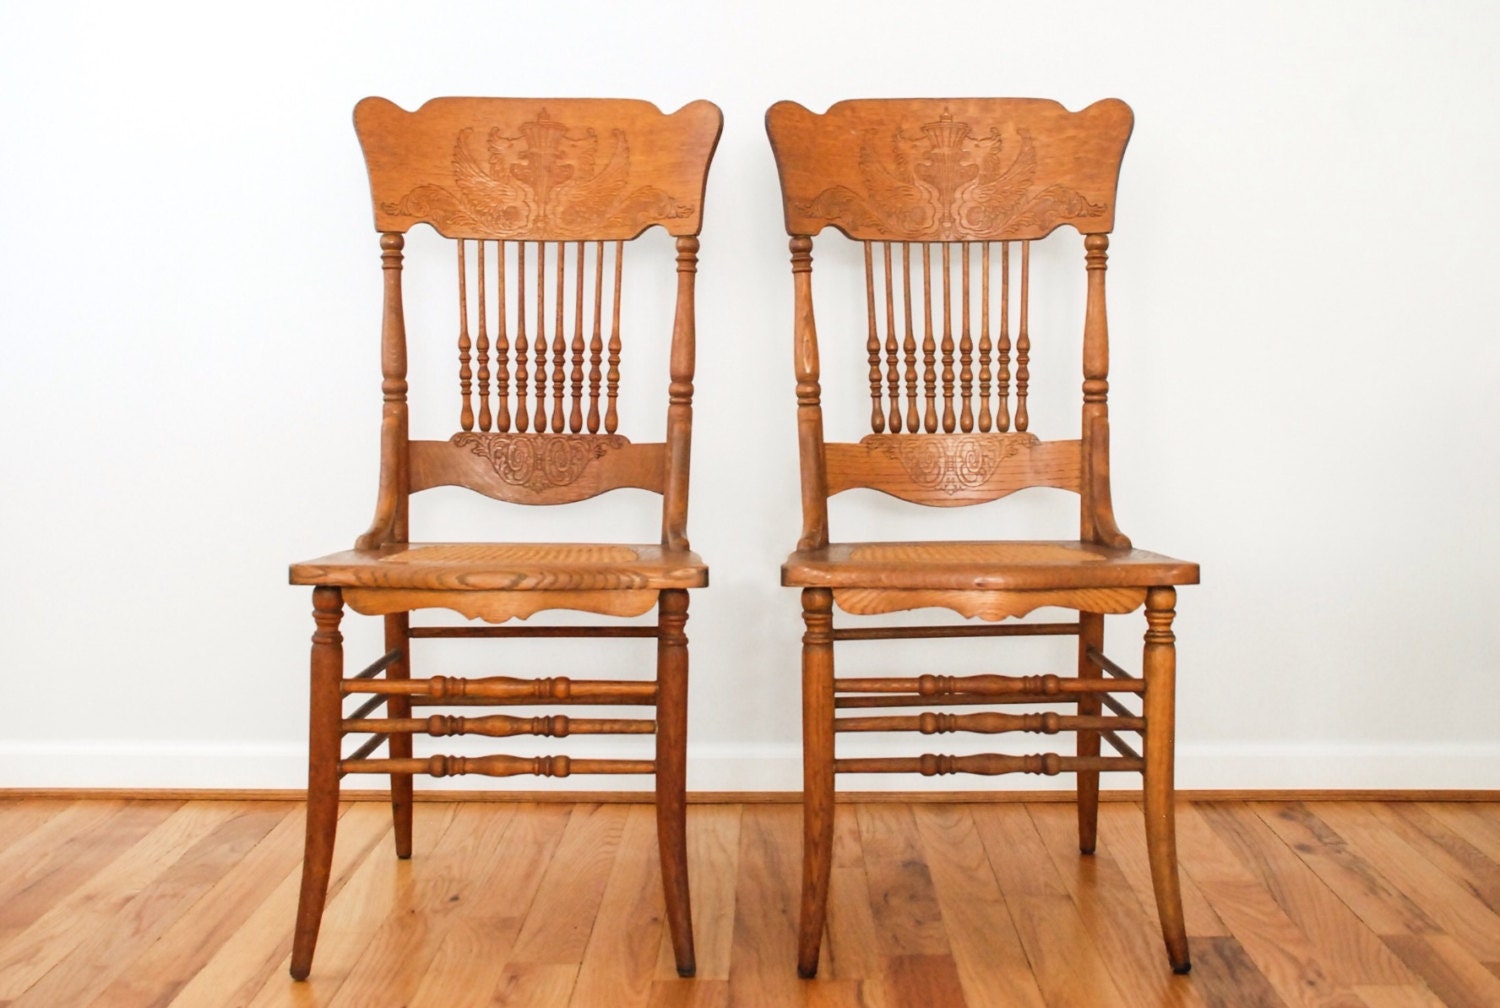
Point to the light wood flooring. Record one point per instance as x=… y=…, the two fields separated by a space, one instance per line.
x=134 y=903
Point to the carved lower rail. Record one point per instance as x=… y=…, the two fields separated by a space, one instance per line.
x=989 y=764
x=500 y=725
x=930 y=723
x=502 y=688
x=497 y=766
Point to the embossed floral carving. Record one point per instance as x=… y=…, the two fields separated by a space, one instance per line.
x=539 y=461
x=950 y=463
x=948 y=181
x=546 y=178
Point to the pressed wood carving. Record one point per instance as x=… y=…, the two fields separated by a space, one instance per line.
x=949 y=464
x=540 y=462
x=546 y=176
x=945 y=178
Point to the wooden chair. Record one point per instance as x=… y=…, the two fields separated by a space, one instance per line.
x=539 y=198
x=947 y=198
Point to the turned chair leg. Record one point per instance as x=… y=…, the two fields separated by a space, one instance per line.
x=1160 y=671
x=817 y=773
x=322 y=773
x=671 y=773
x=1090 y=636
x=399 y=706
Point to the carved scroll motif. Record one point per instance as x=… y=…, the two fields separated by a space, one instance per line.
x=540 y=462
x=544 y=179
x=949 y=182
x=950 y=464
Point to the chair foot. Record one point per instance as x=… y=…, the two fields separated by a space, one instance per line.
x=687 y=974
x=1182 y=970
x=1087 y=851
x=807 y=972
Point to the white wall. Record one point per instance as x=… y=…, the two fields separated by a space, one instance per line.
x=1304 y=372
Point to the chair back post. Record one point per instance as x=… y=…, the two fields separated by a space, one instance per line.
x=390 y=522
x=1097 y=518
x=680 y=396
x=809 y=400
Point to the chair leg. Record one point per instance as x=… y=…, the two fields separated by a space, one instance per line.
x=399 y=706
x=322 y=773
x=1160 y=671
x=1090 y=635
x=671 y=773
x=817 y=774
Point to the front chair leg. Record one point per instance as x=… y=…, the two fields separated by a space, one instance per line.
x=1160 y=671
x=817 y=773
x=322 y=773
x=671 y=772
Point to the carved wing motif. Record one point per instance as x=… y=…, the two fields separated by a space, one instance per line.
x=946 y=181
x=544 y=176
x=992 y=199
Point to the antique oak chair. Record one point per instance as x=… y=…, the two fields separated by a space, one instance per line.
x=947 y=198
x=539 y=199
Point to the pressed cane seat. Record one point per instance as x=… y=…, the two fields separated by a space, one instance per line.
x=946 y=199
x=539 y=200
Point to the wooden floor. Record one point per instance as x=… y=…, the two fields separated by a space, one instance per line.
x=154 y=902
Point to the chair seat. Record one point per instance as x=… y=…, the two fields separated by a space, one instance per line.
x=982 y=566
x=507 y=567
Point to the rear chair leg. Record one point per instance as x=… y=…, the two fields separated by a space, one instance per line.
x=1090 y=635
x=1160 y=671
x=671 y=772
x=817 y=774
x=399 y=706
x=322 y=773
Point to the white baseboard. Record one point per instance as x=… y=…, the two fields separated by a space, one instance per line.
x=724 y=767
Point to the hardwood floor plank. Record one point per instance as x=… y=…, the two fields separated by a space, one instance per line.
x=557 y=930
x=1465 y=863
x=66 y=852
x=630 y=928
x=259 y=949
x=905 y=907
x=1447 y=969
x=992 y=965
x=1352 y=955
x=1478 y=823
x=208 y=840
x=699 y=992
x=1068 y=967
x=156 y=976
x=924 y=980
x=1455 y=909
x=19 y=819
x=471 y=963
x=763 y=971
x=438 y=880
x=1127 y=934
x=1399 y=997
x=1226 y=977
x=1383 y=907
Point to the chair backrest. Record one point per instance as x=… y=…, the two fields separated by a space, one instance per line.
x=539 y=198
x=947 y=197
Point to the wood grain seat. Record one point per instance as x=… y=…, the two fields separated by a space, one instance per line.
x=982 y=566
x=507 y=567
x=540 y=202
x=946 y=198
